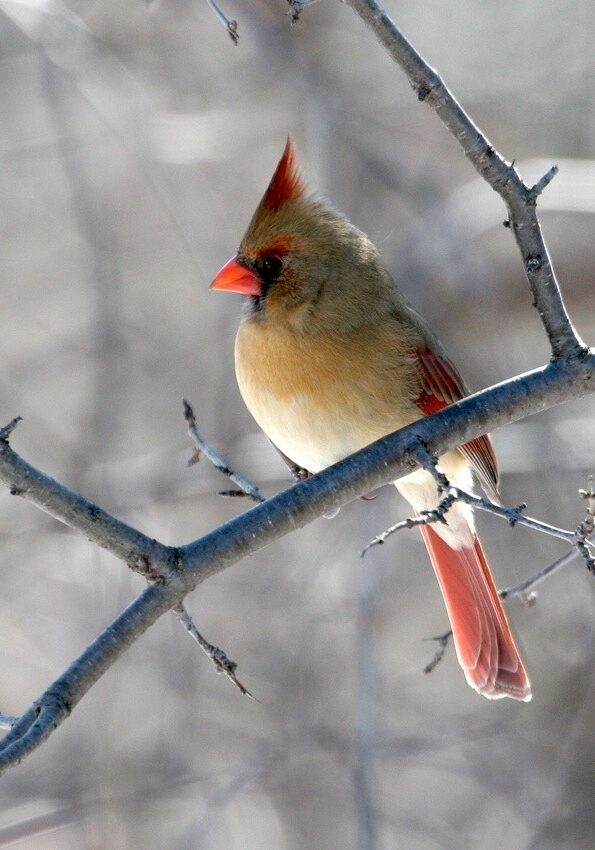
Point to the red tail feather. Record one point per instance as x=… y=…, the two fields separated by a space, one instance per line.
x=483 y=640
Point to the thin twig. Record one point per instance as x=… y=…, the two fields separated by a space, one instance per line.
x=443 y=641
x=580 y=538
x=586 y=528
x=523 y=587
x=500 y=174
x=246 y=488
x=222 y=663
x=513 y=515
x=523 y=590
x=230 y=25
x=140 y=552
x=536 y=190
x=7 y=430
x=425 y=518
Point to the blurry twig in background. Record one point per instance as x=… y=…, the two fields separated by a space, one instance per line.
x=246 y=488
x=443 y=641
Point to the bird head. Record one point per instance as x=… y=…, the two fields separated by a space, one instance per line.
x=301 y=263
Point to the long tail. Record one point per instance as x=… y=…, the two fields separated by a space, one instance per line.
x=483 y=640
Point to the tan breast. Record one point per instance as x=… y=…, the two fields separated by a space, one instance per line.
x=322 y=397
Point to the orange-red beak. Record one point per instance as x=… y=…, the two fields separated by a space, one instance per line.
x=234 y=277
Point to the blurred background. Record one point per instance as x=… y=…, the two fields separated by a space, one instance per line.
x=135 y=142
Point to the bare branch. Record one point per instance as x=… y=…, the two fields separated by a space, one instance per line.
x=501 y=175
x=222 y=663
x=426 y=518
x=141 y=553
x=246 y=488
x=230 y=25
x=542 y=183
x=57 y=702
x=513 y=515
x=442 y=641
x=523 y=587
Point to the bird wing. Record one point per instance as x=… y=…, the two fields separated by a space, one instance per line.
x=442 y=385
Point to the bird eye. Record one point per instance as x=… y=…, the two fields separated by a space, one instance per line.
x=269 y=268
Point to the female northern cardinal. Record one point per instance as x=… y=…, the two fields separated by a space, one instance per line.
x=330 y=357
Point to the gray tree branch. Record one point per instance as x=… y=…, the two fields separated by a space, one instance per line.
x=501 y=175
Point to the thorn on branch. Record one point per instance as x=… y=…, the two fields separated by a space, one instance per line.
x=222 y=663
x=443 y=641
x=202 y=447
x=7 y=430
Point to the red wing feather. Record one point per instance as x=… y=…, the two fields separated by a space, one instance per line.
x=441 y=386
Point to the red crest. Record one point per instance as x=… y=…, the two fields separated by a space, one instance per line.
x=286 y=183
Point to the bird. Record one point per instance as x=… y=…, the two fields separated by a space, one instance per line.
x=329 y=357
